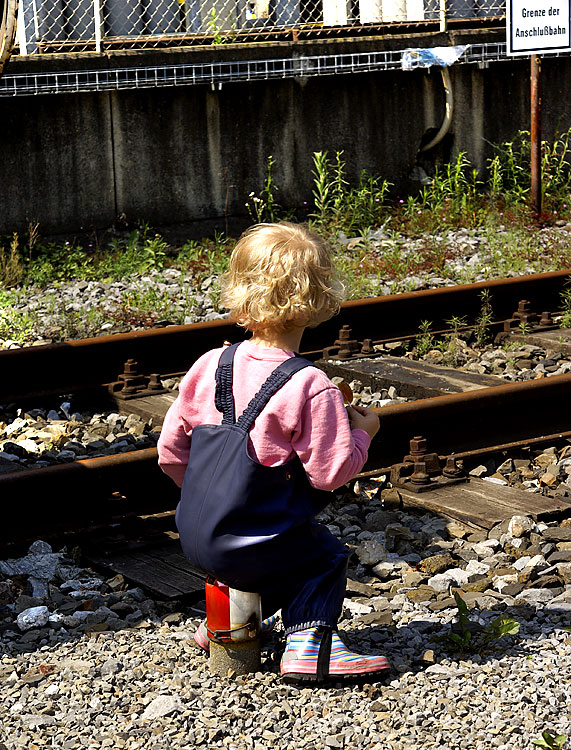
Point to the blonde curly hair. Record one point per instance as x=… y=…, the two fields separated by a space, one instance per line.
x=281 y=276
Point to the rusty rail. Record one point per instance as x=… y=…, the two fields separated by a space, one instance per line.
x=505 y=416
x=83 y=364
x=105 y=490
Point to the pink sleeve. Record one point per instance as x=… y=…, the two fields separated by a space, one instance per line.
x=174 y=444
x=331 y=453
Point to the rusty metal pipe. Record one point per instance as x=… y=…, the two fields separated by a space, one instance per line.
x=535 y=135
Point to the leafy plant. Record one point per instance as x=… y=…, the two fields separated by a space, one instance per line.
x=524 y=330
x=11 y=265
x=219 y=37
x=565 y=321
x=551 y=741
x=463 y=639
x=481 y=328
x=450 y=344
x=265 y=206
x=339 y=206
x=425 y=340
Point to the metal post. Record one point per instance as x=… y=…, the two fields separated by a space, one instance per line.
x=536 y=134
x=442 y=15
x=98 y=24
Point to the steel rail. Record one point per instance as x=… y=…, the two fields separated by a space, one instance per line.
x=473 y=423
x=93 y=491
x=84 y=364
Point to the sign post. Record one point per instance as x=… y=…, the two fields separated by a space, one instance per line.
x=534 y=27
x=535 y=134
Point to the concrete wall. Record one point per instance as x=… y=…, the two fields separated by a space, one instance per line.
x=183 y=154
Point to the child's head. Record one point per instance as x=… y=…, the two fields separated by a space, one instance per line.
x=281 y=276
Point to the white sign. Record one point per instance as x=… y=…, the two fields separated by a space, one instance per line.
x=537 y=26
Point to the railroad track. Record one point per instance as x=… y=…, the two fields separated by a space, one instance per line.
x=119 y=491
x=85 y=364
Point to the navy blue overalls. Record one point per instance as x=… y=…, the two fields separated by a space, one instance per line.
x=252 y=526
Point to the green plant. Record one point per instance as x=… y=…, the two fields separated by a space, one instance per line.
x=323 y=187
x=524 y=331
x=555 y=171
x=508 y=171
x=425 y=340
x=481 y=328
x=11 y=265
x=565 y=321
x=219 y=37
x=450 y=344
x=551 y=741
x=340 y=206
x=256 y=208
x=154 y=253
x=145 y=306
x=464 y=638
x=272 y=206
x=15 y=325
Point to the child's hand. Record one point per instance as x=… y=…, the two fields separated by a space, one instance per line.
x=363 y=418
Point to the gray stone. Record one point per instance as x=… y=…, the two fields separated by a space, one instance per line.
x=535 y=596
x=35 y=617
x=163 y=705
x=370 y=552
x=520 y=525
x=557 y=534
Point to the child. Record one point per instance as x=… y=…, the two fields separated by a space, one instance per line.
x=251 y=488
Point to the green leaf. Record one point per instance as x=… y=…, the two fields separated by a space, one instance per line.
x=460 y=603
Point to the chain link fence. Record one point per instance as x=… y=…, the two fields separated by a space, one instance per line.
x=46 y=26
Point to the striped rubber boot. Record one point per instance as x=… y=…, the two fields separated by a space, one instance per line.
x=201 y=634
x=316 y=654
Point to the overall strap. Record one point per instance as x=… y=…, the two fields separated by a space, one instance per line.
x=279 y=376
x=223 y=397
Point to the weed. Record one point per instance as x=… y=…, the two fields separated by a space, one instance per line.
x=340 y=207
x=15 y=325
x=272 y=206
x=551 y=741
x=565 y=321
x=218 y=35
x=450 y=344
x=463 y=639
x=425 y=340
x=145 y=306
x=33 y=236
x=481 y=327
x=524 y=331
x=11 y=266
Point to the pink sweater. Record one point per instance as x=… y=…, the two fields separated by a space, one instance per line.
x=306 y=417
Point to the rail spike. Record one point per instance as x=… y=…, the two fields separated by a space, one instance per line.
x=421 y=471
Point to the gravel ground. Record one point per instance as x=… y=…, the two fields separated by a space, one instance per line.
x=90 y=308
x=92 y=663
x=89 y=662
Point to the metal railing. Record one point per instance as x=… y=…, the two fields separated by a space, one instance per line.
x=217 y=74
x=98 y=25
